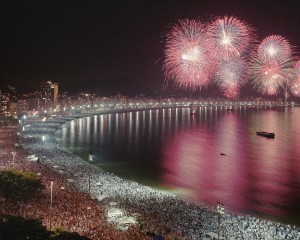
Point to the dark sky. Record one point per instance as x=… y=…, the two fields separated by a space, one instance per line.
x=78 y=41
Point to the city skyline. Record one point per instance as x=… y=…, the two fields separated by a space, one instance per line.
x=76 y=42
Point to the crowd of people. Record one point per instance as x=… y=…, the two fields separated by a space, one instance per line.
x=71 y=209
x=83 y=197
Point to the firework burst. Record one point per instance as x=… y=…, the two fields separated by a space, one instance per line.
x=274 y=48
x=269 y=77
x=229 y=37
x=187 y=60
x=231 y=92
x=297 y=67
x=273 y=68
x=295 y=89
x=231 y=75
x=297 y=71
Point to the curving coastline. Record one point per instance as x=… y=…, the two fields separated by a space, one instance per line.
x=157 y=212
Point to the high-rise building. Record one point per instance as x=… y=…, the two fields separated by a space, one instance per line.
x=13 y=109
x=46 y=88
x=0 y=103
x=33 y=104
x=46 y=92
x=0 y=97
x=55 y=94
x=4 y=103
x=23 y=106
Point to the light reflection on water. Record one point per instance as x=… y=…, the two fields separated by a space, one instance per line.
x=175 y=149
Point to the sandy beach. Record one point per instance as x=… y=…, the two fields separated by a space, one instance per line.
x=101 y=205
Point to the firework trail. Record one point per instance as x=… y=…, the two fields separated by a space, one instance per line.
x=229 y=37
x=231 y=75
x=187 y=59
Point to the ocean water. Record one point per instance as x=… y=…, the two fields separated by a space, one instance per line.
x=174 y=150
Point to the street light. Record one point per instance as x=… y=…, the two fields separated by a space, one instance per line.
x=90 y=160
x=45 y=109
x=51 y=193
x=220 y=211
x=43 y=139
x=51 y=200
x=13 y=163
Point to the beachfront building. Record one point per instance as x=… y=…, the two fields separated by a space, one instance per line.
x=4 y=105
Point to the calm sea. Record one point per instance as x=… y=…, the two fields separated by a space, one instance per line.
x=177 y=151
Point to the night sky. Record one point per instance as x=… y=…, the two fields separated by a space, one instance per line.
x=79 y=41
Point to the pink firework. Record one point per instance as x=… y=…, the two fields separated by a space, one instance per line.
x=231 y=92
x=274 y=48
x=231 y=75
x=229 y=37
x=297 y=68
x=295 y=89
x=273 y=68
x=187 y=56
x=297 y=71
x=270 y=76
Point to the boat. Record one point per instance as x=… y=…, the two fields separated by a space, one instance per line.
x=223 y=154
x=266 y=134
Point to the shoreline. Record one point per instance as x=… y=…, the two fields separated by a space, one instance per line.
x=202 y=219
x=72 y=210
